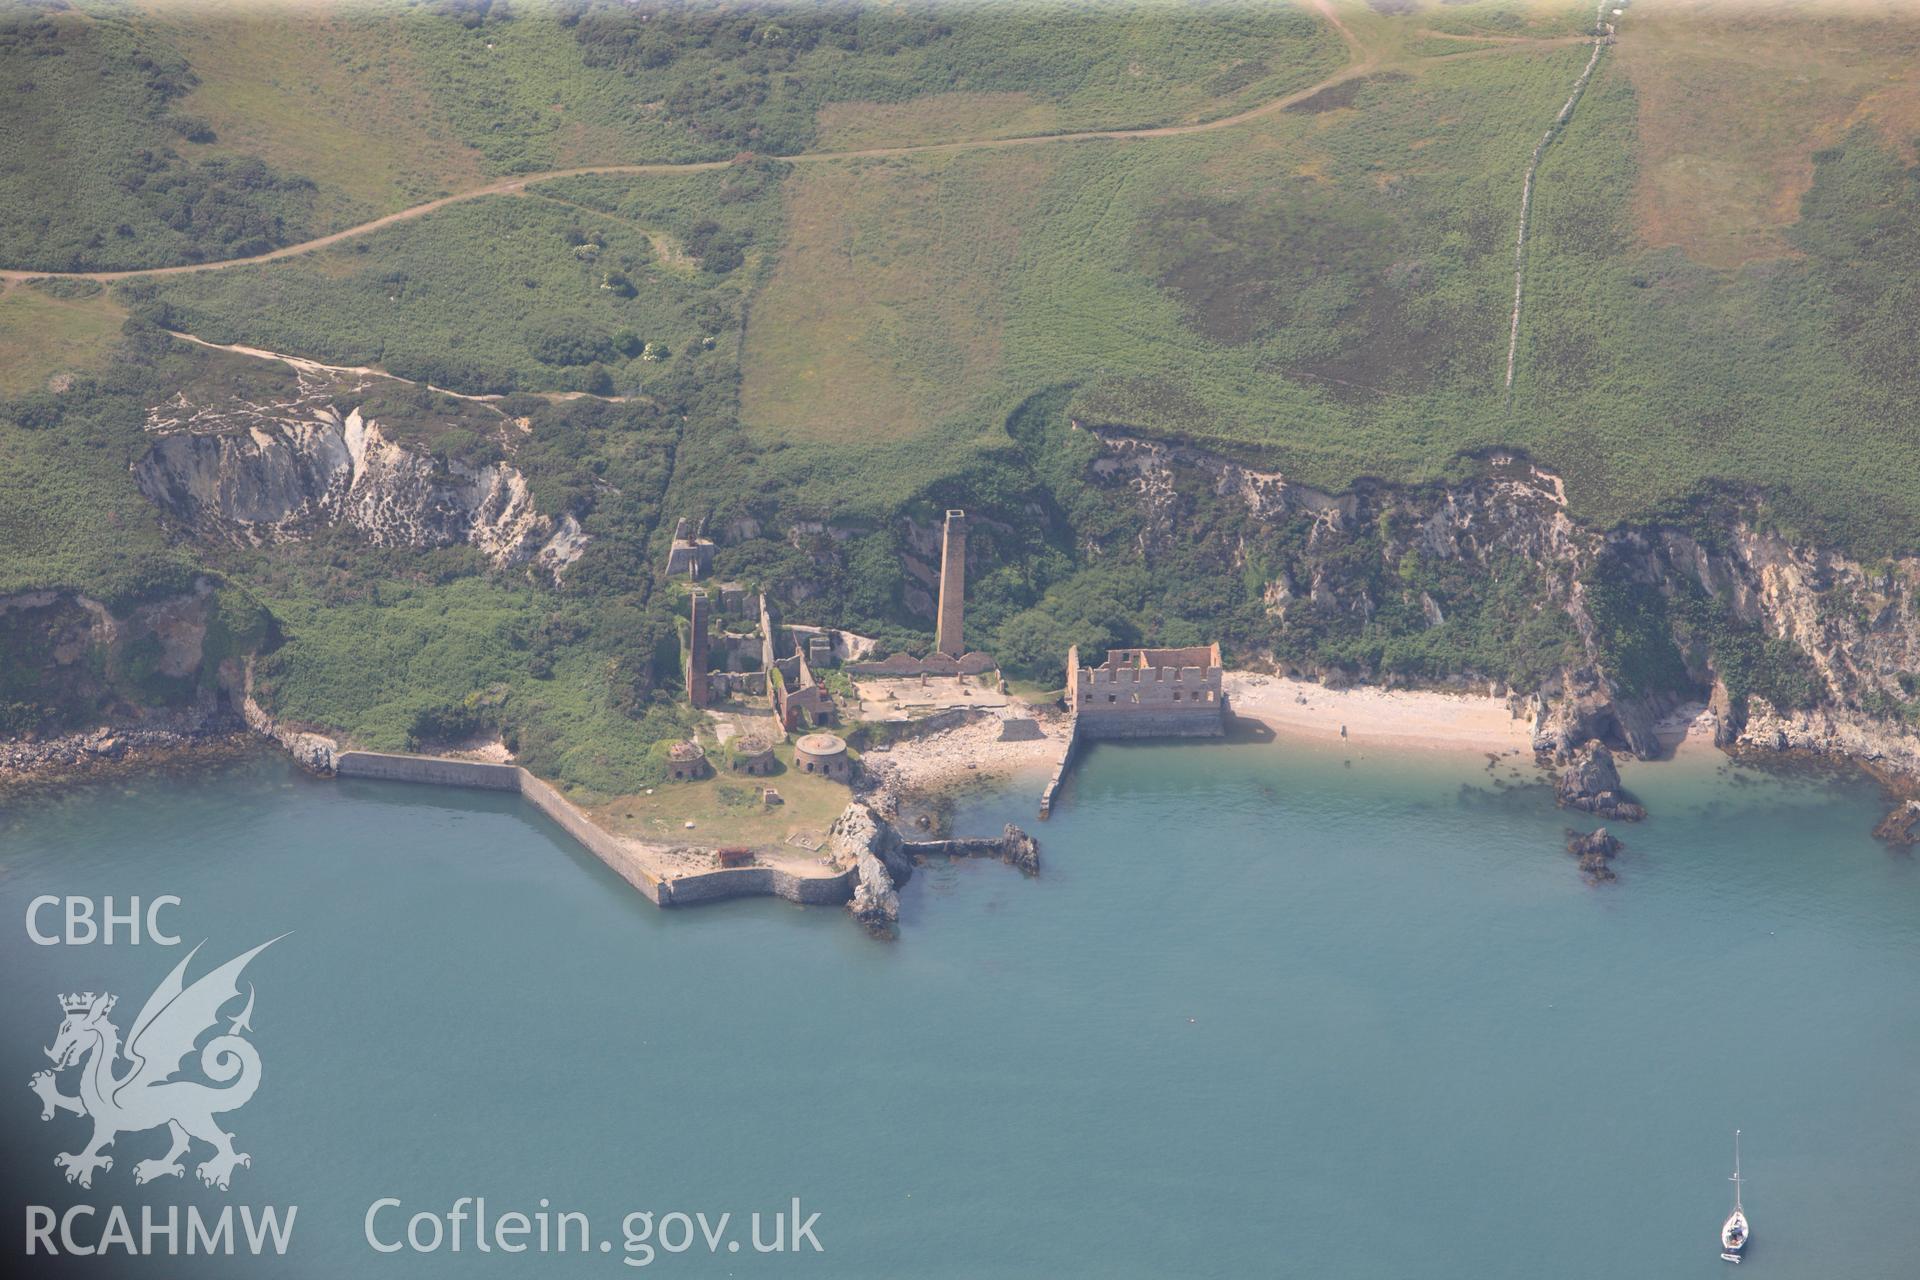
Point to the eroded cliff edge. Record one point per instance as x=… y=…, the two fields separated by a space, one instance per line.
x=248 y=459
x=1796 y=647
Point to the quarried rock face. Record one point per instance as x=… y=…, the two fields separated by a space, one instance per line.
x=78 y=664
x=280 y=472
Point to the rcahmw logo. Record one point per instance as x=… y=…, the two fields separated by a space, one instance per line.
x=145 y=1083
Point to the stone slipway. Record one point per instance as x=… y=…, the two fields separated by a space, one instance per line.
x=639 y=863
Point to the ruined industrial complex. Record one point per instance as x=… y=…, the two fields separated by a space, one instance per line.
x=739 y=659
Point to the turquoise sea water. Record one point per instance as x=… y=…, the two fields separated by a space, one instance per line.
x=1266 y=1012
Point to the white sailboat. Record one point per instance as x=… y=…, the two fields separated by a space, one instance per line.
x=1735 y=1233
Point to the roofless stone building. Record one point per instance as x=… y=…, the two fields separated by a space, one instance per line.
x=692 y=556
x=753 y=755
x=1149 y=693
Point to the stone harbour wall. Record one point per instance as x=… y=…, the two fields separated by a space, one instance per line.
x=746 y=882
x=433 y=769
x=1012 y=846
x=1051 y=795
x=1209 y=722
x=710 y=886
x=600 y=843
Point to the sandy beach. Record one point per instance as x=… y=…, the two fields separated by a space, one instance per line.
x=1688 y=733
x=1400 y=719
x=1295 y=710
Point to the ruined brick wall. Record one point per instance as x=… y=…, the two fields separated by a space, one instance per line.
x=949 y=635
x=697 y=658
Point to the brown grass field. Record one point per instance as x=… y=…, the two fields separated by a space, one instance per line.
x=888 y=305
x=43 y=337
x=331 y=99
x=725 y=809
x=1735 y=97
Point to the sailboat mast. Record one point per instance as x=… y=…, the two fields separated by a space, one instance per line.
x=1736 y=1171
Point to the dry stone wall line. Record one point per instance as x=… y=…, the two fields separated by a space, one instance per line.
x=1603 y=36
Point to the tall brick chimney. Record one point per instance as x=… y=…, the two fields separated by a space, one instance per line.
x=948 y=638
x=697 y=647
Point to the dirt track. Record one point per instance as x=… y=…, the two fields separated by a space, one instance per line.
x=1360 y=63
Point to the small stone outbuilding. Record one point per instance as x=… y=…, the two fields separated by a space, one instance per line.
x=823 y=753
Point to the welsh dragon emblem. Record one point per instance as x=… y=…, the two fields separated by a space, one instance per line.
x=146 y=1095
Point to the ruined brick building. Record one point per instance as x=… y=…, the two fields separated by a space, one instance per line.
x=1149 y=693
x=692 y=556
x=950 y=622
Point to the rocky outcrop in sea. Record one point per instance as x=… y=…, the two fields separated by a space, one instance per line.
x=1595 y=850
x=75 y=754
x=861 y=838
x=1901 y=827
x=883 y=861
x=1590 y=783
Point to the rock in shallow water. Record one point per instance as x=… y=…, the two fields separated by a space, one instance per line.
x=1901 y=827
x=1591 y=784
x=1594 y=849
x=1019 y=849
x=875 y=902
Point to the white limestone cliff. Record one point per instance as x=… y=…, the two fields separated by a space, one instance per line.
x=279 y=475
